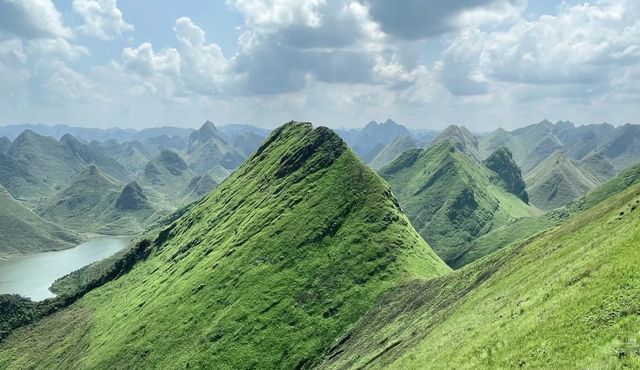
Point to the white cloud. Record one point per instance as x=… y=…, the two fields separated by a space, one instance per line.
x=145 y=61
x=55 y=48
x=577 y=53
x=31 y=19
x=102 y=18
x=274 y=14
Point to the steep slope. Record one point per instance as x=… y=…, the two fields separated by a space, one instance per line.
x=374 y=134
x=501 y=162
x=24 y=232
x=559 y=180
x=132 y=198
x=199 y=187
x=166 y=176
x=624 y=147
x=207 y=148
x=449 y=198
x=533 y=144
x=525 y=228
x=4 y=144
x=563 y=300
x=266 y=272
x=89 y=204
x=463 y=140
x=40 y=165
x=392 y=151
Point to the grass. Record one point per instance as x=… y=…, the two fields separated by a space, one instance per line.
x=451 y=199
x=567 y=298
x=267 y=271
x=29 y=232
x=524 y=228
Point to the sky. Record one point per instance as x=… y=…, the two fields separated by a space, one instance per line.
x=338 y=63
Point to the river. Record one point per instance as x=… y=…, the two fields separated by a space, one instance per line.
x=32 y=275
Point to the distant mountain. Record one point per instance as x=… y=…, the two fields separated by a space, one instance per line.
x=463 y=140
x=263 y=273
x=392 y=151
x=35 y=166
x=132 y=155
x=5 y=143
x=132 y=198
x=24 y=232
x=623 y=147
x=199 y=187
x=373 y=137
x=450 y=198
x=559 y=180
x=532 y=144
x=232 y=130
x=207 y=148
x=165 y=177
x=501 y=162
x=90 y=134
x=92 y=203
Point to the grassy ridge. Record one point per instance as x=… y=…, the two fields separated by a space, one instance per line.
x=524 y=228
x=267 y=271
x=450 y=198
x=567 y=298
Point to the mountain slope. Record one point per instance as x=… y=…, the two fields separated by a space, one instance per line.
x=463 y=140
x=449 y=198
x=565 y=299
x=166 y=176
x=374 y=136
x=39 y=165
x=392 y=151
x=501 y=162
x=525 y=228
x=89 y=203
x=24 y=232
x=559 y=180
x=624 y=147
x=266 y=272
x=4 y=144
x=207 y=148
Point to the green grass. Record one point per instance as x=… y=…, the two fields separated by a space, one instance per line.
x=451 y=199
x=265 y=272
x=525 y=228
x=567 y=298
x=88 y=205
x=24 y=232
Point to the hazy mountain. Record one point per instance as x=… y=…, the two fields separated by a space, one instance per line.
x=564 y=299
x=463 y=140
x=166 y=177
x=90 y=134
x=559 y=180
x=4 y=144
x=132 y=198
x=90 y=204
x=450 y=198
x=232 y=130
x=132 y=155
x=199 y=186
x=35 y=166
x=368 y=141
x=24 y=232
x=207 y=148
x=248 y=277
x=392 y=151
x=624 y=146
x=247 y=142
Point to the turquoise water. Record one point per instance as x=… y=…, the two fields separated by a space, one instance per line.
x=32 y=275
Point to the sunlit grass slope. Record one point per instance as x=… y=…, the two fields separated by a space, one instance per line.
x=450 y=198
x=566 y=299
x=267 y=271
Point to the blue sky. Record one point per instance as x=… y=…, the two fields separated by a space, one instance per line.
x=340 y=63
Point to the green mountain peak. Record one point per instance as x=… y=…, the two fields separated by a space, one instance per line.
x=501 y=162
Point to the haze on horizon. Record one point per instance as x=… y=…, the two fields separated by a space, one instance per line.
x=425 y=64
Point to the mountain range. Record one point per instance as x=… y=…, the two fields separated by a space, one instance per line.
x=304 y=258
